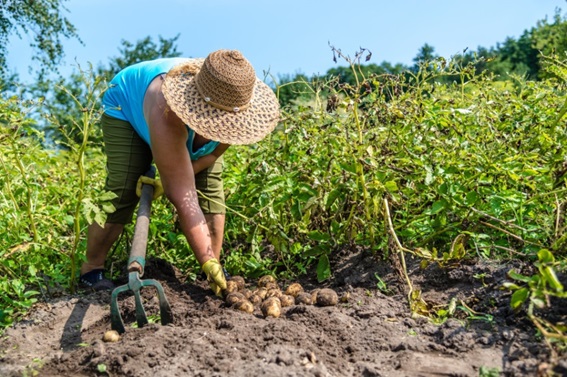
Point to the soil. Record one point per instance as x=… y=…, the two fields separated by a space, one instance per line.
x=372 y=334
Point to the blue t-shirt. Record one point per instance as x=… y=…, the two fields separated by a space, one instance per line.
x=124 y=99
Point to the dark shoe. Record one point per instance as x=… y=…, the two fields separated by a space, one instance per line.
x=96 y=281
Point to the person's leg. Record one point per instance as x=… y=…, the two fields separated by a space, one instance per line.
x=99 y=242
x=211 y=199
x=128 y=157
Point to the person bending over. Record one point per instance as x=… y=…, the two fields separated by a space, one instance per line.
x=181 y=114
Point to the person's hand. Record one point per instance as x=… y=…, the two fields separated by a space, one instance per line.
x=215 y=276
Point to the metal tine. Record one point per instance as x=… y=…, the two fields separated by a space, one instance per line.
x=116 y=321
x=141 y=317
x=164 y=308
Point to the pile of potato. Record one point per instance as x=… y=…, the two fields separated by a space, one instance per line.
x=270 y=298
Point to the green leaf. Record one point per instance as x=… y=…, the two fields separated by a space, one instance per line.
x=471 y=198
x=107 y=196
x=252 y=264
x=88 y=217
x=545 y=256
x=318 y=236
x=28 y=294
x=100 y=219
x=108 y=208
x=391 y=186
x=438 y=206
x=510 y=286
x=323 y=268
x=332 y=197
x=519 y=297
x=101 y=368
x=316 y=250
x=551 y=278
x=69 y=220
x=351 y=168
x=516 y=276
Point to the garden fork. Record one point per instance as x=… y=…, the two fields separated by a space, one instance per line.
x=136 y=264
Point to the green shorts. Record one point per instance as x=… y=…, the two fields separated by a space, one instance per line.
x=129 y=157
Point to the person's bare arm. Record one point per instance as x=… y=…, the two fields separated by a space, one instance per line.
x=168 y=135
x=207 y=161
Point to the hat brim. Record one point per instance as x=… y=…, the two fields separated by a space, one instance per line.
x=242 y=127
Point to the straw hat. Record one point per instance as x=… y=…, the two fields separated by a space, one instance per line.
x=221 y=98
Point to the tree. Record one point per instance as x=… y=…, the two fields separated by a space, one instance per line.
x=519 y=56
x=144 y=49
x=292 y=89
x=550 y=38
x=43 y=20
x=426 y=54
x=523 y=56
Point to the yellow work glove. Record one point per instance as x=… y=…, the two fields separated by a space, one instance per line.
x=215 y=276
x=158 y=188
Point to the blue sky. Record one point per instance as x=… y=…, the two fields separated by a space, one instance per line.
x=292 y=36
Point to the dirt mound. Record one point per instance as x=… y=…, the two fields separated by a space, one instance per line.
x=373 y=334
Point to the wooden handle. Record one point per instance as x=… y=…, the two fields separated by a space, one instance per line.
x=140 y=240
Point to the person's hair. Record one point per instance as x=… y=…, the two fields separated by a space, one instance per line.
x=190 y=68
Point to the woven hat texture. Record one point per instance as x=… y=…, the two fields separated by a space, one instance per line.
x=221 y=98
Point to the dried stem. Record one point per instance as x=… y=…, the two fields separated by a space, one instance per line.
x=399 y=246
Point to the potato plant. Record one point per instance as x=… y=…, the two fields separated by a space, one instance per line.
x=459 y=168
x=474 y=168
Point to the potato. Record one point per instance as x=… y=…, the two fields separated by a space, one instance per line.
x=244 y=306
x=231 y=286
x=111 y=336
x=273 y=292
x=255 y=299
x=294 y=289
x=287 y=300
x=345 y=297
x=303 y=298
x=271 y=307
x=234 y=297
x=327 y=297
x=264 y=280
x=314 y=295
x=269 y=286
x=240 y=281
x=261 y=292
x=246 y=292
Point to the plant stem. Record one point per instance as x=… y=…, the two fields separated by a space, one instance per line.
x=399 y=246
x=29 y=202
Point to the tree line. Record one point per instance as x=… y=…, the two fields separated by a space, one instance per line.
x=513 y=57
x=45 y=20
